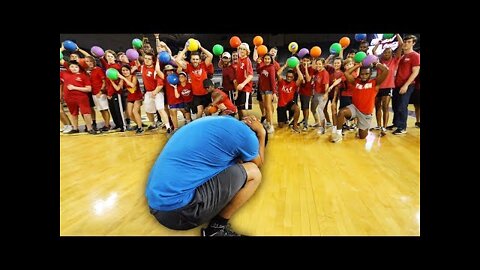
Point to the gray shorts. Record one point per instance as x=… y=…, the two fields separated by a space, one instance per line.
x=209 y=199
x=364 y=120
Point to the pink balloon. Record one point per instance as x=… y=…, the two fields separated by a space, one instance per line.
x=132 y=54
x=97 y=51
x=369 y=60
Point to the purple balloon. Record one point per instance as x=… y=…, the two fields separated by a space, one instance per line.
x=97 y=51
x=369 y=60
x=302 y=52
x=132 y=54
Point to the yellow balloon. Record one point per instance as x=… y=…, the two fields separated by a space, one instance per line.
x=192 y=45
x=293 y=47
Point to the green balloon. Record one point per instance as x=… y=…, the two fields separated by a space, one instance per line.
x=335 y=48
x=359 y=56
x=112 y=74
x=137 y=43
x=217 y=49
x=387 y=36
x=292 y=62
x=61 y=55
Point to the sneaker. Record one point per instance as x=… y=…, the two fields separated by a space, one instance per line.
x=391 y=127
x=321 y=130
x=353 y=127
x=94 y=126
x=139 y=131
x=218 y=230
x=377 y=128
x=328 y=124
x=305 y=128
x=383 y=131
x=399 y=131
x=417 y=124
x=290 y=124
x=73 y=131
x=345 y=127
x=67 y=129
x=336 y=137
x=93 y=132
x=316 y=125
x=169 y=130
x=295 y=129
x=151 y=127
x=105 y=128
x=270 y=129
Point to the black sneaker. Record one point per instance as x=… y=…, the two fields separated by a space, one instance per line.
x=151 y=127
x=169 y=130
x=93 y=132
x=94 y=126
x=417 y=124
x=218 y=230
x=399 y=131
x=104 y=128
x=139 y=131
x=73 y=131
x=391 y=127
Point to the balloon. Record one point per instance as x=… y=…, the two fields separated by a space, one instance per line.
x=335 y=48
x=293 y=47
x=132 y=54
x=359 y=56
x=137 y=43
x=70 y=45
x=235 y=42
x=387 y=36
x=164 y=57
x=360 y=37
x=302 y=52
x=213 y=109
x=371 y=58
x=344 y=41
x=192 y=45
x=82 y=63
x=292 y=62
x=217 y=49
x=315 y=51
x=172 y=79
x=262 y=50
x=258 y=40
x=61 y=55
x=97 y=51
x=112 y=74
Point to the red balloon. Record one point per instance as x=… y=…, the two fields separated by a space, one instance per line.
x=235 y=42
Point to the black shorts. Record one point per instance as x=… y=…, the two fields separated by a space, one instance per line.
x=415 y=97
x=202 y=100
x=345 y=101
x=282 y=112
x=259 y=96
x=383 y=92
x=229 y=94
x=305 y=102
x=209 y=199
x=244 y=100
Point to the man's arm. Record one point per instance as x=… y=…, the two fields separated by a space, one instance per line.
x=259 y=130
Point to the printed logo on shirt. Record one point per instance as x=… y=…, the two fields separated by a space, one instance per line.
x=363 y=86
x=78 y=79
x=186 y=92
x=198 y=72
x=265 y=72
x=287 y=89
x=149 y=73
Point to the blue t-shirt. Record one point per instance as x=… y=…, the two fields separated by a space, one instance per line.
x=193 y=155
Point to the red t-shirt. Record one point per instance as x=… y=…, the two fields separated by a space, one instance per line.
x=364 y=95
x=286 y=92
x=244 y=69
x=305 y=89
x=197 y=76
x=407 y=62
x=79 y=80
x=321 y=78
x=226 y=101
x=170 y=92
x=228 y=75
x=392 y=65
x=96 y=78
x=266 y=77
x=149 y=77
x=110 y=89
x=186 y=92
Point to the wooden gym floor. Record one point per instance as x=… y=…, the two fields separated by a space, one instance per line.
x=310 y=186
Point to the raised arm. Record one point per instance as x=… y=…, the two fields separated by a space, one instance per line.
x=182 y=63
x=398 y=51
x=208 y=60
x=380 y=78
x=348 y=73
x=300 y=76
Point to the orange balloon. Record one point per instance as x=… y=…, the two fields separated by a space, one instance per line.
x=344 y=41
x=262 y=50
x=212 y=109
x=82 y=63
x=315 y=51
x=235 y=42
x=258 y=40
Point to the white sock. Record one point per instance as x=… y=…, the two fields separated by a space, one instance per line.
x=339 y=132
x=334 y=129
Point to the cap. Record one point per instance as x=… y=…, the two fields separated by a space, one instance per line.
x=168 y=67
x=245 y=45
x=226 y=55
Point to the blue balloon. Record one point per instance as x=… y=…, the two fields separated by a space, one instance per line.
x=164 y=57
x=360 y=37
x=172 y=79
x=70 y=45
